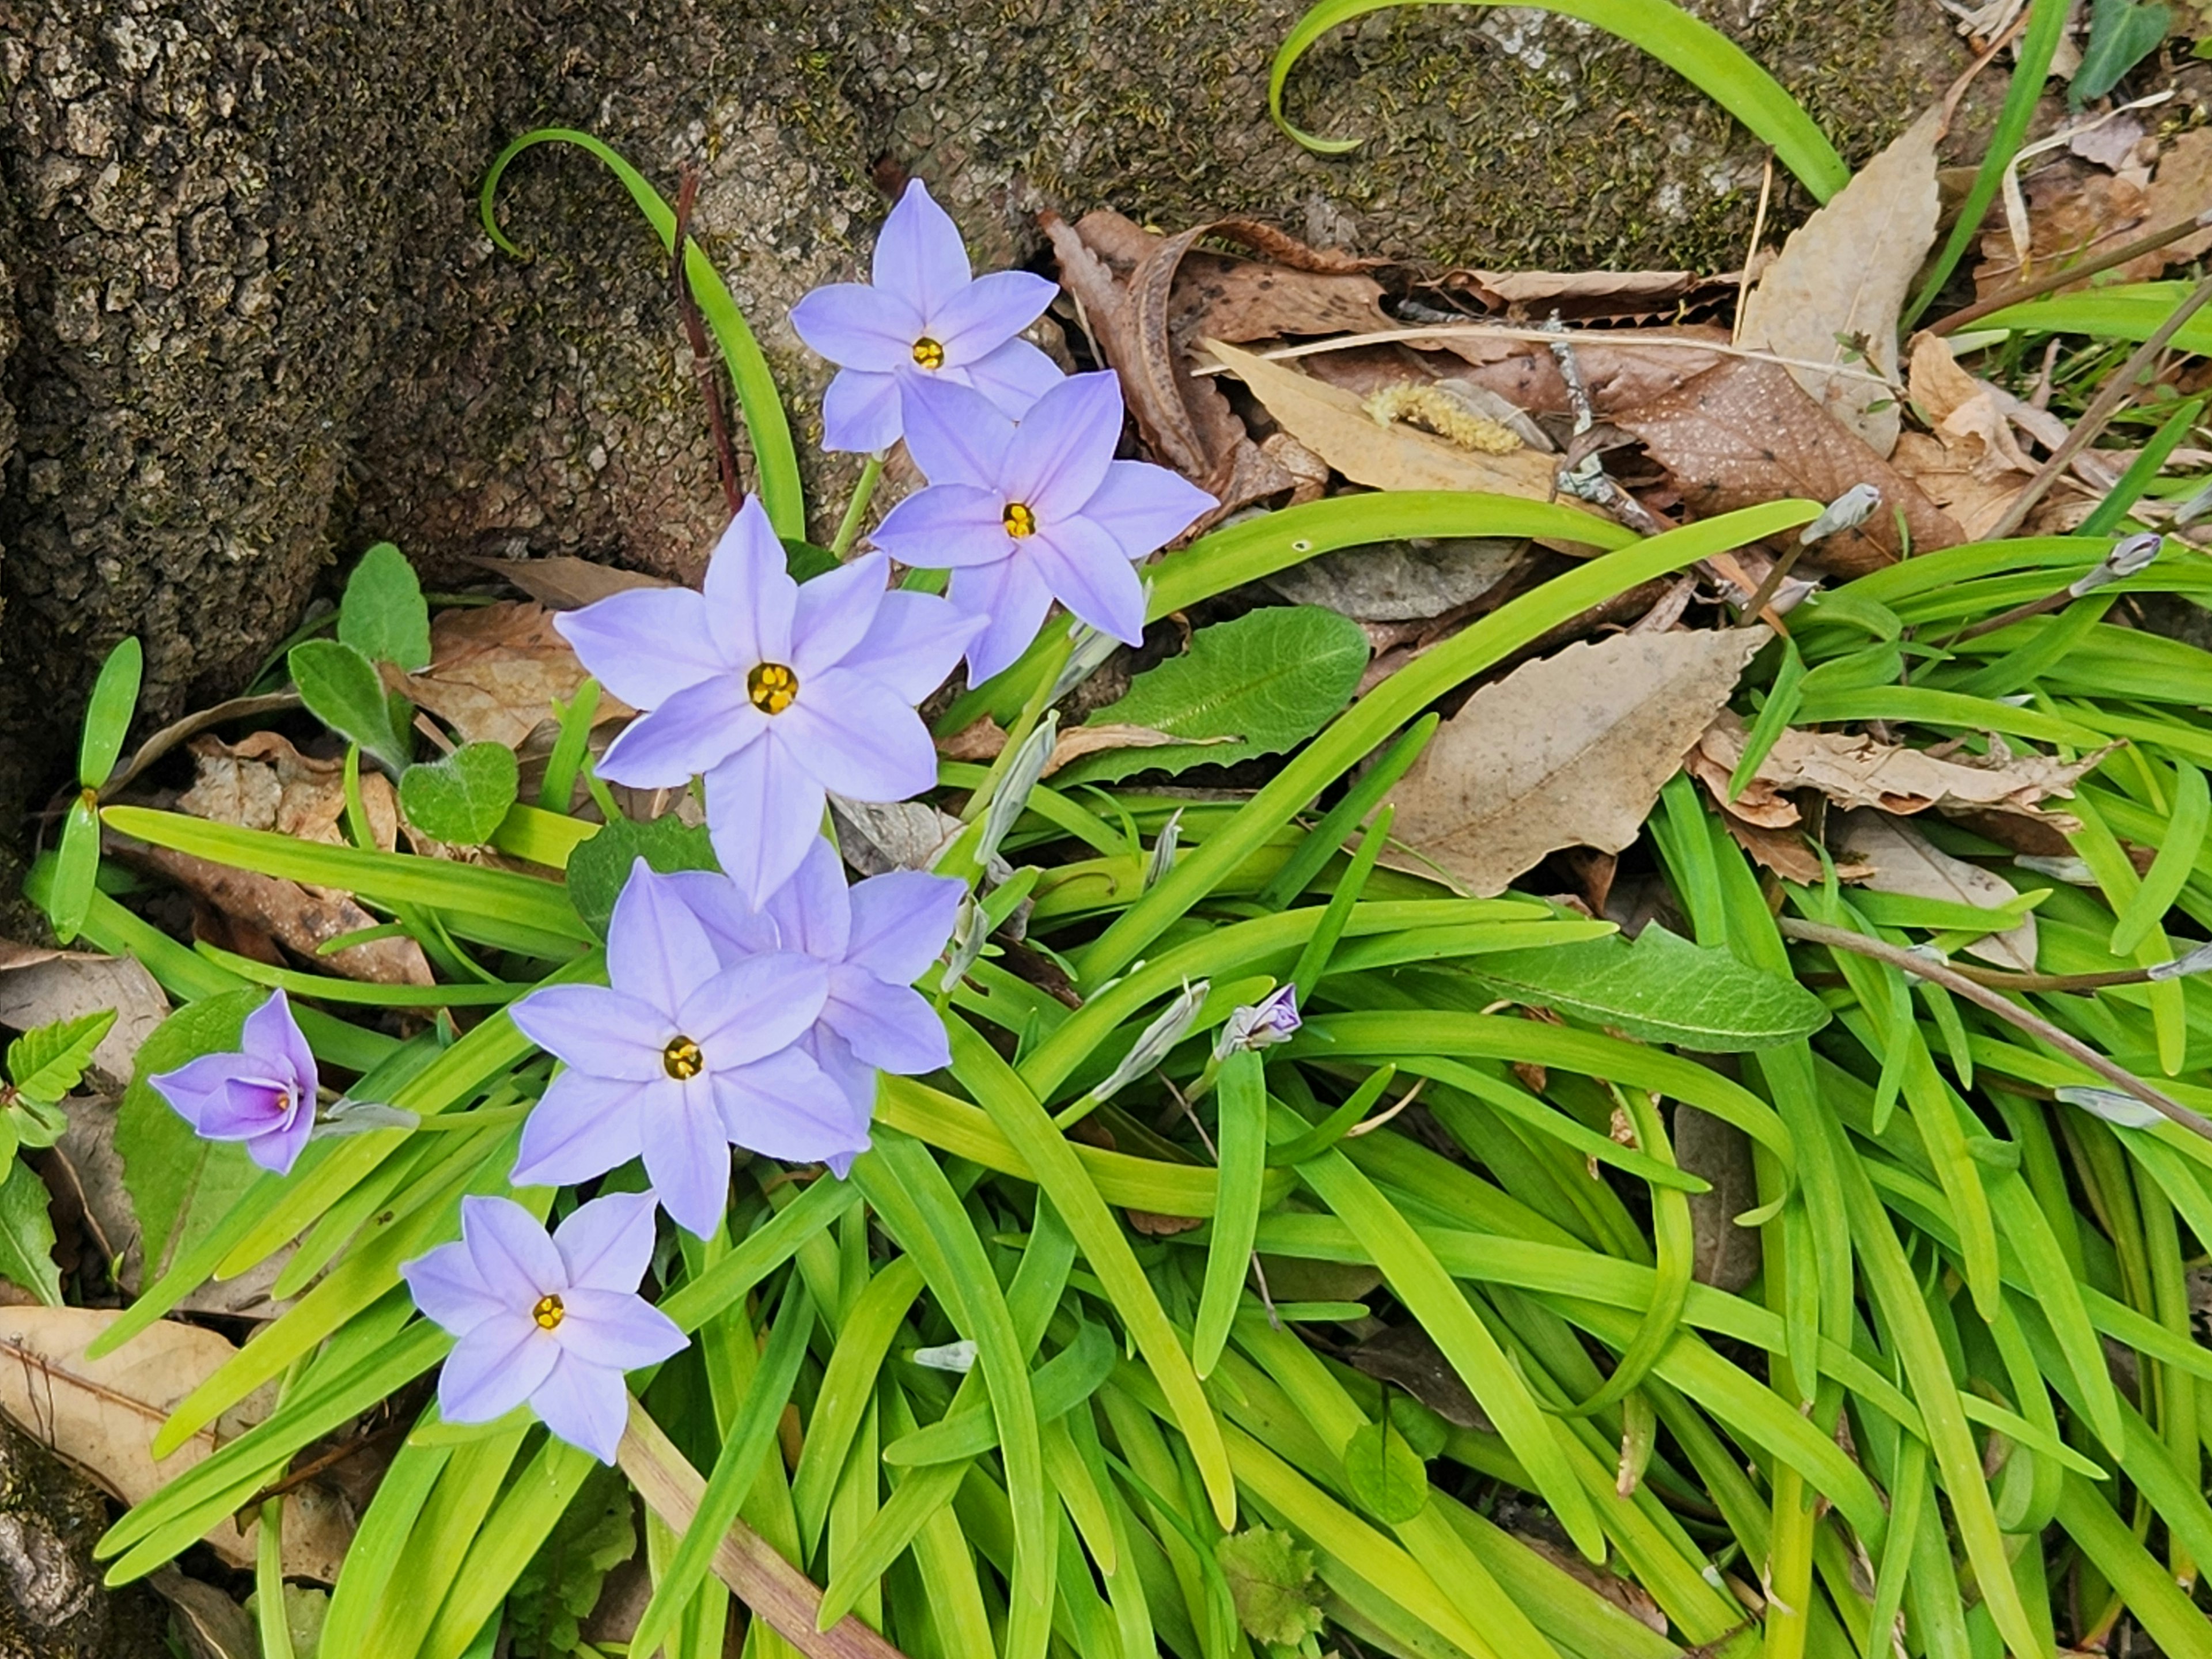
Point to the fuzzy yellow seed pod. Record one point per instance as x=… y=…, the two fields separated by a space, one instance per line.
x=1435 y=409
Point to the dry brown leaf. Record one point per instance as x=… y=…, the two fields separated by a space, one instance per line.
x=212 y=1625
x=1332 y=422
x=1080 y=740
x=565 y=582
x=39 y=987
x=1582 y=295
x=1630 y=1597
x=1722 y=1255
x=2076 y=211
x=1906 y=861
x=1569 y=750
x=1843 y=277
x=495 y=671
x=102 y=1414
x=1232 y=299
x=1624 y=369
x=1852 y=769
x=1744 y=433
x=1155 y=1225
x=1972 y=466
x=1782 y=851
x=981 y=740
x=1408 y=1356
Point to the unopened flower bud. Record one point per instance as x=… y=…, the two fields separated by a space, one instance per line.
x=1274 y=1018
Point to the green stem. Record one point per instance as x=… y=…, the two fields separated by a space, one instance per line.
x=863 y=493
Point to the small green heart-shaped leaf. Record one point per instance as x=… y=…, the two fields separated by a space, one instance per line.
x=1387 y=1478
x=384 y=615
x=107 y=716
x=2122 y=34
x=342 y=689
x=462 y=797
x=600 y=866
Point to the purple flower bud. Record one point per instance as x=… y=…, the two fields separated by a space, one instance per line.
x=1274 y=1018
x=554 y=1319
x=263 y=1094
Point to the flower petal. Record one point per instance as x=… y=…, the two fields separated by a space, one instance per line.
x=835 y=611
x=856 y=326
x=919 y=254
x=947 y=527
x=1013 y=377
x=854 y=1080
x=694 y=731
x=764 y=809
x=511 y=1250
x=955 y=434
x=245 y=1107
x=861 y=412
x=617 y=1328
x=985 y=313
x=1144 y=507
x=585 y=1405
x=813 y=911
x=751 y=596
x=657 y=949
x=1012 y=598
x=608 y=1242
x=912 y=643
x=279 y=1149
x=644 y=646
x=270 y=1033
x=859 y=738
x=687 y=1156
x=599 y=1032
x=450 y=1291
x=493 y=1368
x=584 y=1126
x=735 y=930
x=784 y=1109
x=198 y=1085
x=1061 y=448
x=1088 y=572
x=900 y=920
x=889 y=1026
x=754 y=1009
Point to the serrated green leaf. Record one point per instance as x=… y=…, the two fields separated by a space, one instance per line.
x=1270 y=679
x=460 y=798
x=27 y=1235
x=1386 y=1478
x=383 y=615
x=180 y=1185
x=1270 y=1579
x=48 y=1062
x=1662 y=989
x=600 y=866
x=340 y=689
x=76 y=867
x=107 y=716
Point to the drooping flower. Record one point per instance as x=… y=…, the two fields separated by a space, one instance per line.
x=1026 y=514
x=925 y=319
x=676 y=1058
x=553 y=1320
x=263 y=1094
x=874 y=940
x=1274 y=1018
x=777 y=692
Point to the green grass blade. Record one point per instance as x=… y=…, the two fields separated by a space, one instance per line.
x=1241 y=1132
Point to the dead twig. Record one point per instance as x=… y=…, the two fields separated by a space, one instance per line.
x=2051 y=280
x=703 y=367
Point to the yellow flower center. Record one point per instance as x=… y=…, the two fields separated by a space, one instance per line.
x=1020 y=520
x=549 y=1313
x=927 y=354
x=771 y=687
x=682 y=1059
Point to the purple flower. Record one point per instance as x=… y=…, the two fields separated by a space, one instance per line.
x=778 y=692
x=1274 y=1018
x=925 y=319
x=874 y=940
x=677 y=1057
x=1026 y=514
x=264 y=1096
x=555 y=1320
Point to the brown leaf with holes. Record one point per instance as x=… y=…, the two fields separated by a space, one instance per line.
x=1744 y=433
x=1568 y=750
x=496 y=671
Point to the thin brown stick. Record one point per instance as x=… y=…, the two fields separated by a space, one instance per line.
x=703 y=367
x=2117 y=390
x=1751 y=254
x=1841 y=938
x=2035 y=288
x=775 y=1589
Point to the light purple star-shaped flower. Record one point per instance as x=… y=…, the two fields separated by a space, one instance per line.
x=264 y=1096
x=1024 y=515
x=555 y=1321
x=926 y=319
x=777 y=692
x=676 y=1058
x=874 y=940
